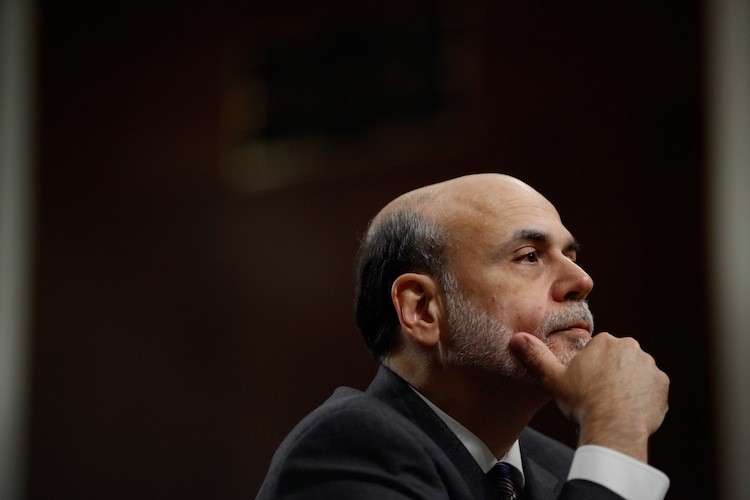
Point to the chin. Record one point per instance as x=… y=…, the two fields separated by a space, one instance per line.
x=566 y=349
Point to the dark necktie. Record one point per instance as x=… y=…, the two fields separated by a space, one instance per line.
x=501 y=477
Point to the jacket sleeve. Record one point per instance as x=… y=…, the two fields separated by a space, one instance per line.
x=580 y=489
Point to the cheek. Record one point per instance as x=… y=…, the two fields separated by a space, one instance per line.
x=522 y=316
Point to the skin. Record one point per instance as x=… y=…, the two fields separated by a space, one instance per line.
x=514 y=259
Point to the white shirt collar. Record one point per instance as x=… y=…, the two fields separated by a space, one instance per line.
x=474 y=445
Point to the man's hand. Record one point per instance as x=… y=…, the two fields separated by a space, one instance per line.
x=612 y=389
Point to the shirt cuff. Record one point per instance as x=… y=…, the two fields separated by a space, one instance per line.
x=626 y=476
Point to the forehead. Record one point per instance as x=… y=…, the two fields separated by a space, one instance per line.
x=494 y=215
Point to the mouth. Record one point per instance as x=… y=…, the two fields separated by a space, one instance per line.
x=575 y=329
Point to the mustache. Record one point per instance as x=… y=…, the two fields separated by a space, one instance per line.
x=574 y=314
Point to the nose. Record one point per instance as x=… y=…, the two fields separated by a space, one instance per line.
x=573 y=283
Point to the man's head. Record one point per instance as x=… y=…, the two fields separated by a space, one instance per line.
x=454 y=269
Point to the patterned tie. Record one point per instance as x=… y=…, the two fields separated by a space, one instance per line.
x=501 y=477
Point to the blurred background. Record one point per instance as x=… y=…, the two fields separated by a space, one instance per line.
x=184 y=185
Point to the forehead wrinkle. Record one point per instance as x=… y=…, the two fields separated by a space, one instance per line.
x=479 y=214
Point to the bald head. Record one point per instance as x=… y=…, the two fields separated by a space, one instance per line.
x=418 y=231
x=467 y=196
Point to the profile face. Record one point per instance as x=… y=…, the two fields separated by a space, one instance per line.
x=515 y=261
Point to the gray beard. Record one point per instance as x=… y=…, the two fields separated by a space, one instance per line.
x=478 y=339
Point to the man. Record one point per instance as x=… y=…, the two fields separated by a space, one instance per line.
x=470 y=296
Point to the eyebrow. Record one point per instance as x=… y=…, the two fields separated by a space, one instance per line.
x=541 y=237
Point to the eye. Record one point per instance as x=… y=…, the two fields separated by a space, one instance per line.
x=530 y=257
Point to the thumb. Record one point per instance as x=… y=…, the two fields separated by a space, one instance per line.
x=537 y=357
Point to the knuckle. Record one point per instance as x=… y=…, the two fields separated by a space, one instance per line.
x=649 y=360
x=601 y=337
x=604 y=340
x=631 y=343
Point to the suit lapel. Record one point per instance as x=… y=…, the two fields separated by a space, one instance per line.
x=540 y=483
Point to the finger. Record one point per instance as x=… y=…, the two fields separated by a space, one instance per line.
x=536 y=356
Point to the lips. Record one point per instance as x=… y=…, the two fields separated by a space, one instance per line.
x=574 y=319
x=573 y=327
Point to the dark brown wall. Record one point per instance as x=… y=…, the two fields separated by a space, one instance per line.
x=182 y=327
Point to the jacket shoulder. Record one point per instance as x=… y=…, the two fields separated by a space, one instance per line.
x=350 y=416
x=356 y=446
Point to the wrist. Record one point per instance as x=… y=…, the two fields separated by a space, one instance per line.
x=625 y=437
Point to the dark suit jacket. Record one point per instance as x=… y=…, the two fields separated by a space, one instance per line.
x=387 y=443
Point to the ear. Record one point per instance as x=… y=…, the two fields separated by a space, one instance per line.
x=415 y=297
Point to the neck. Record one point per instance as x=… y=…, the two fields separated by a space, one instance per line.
x=495 y=408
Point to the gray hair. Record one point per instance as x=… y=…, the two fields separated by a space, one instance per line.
x=401 y=242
